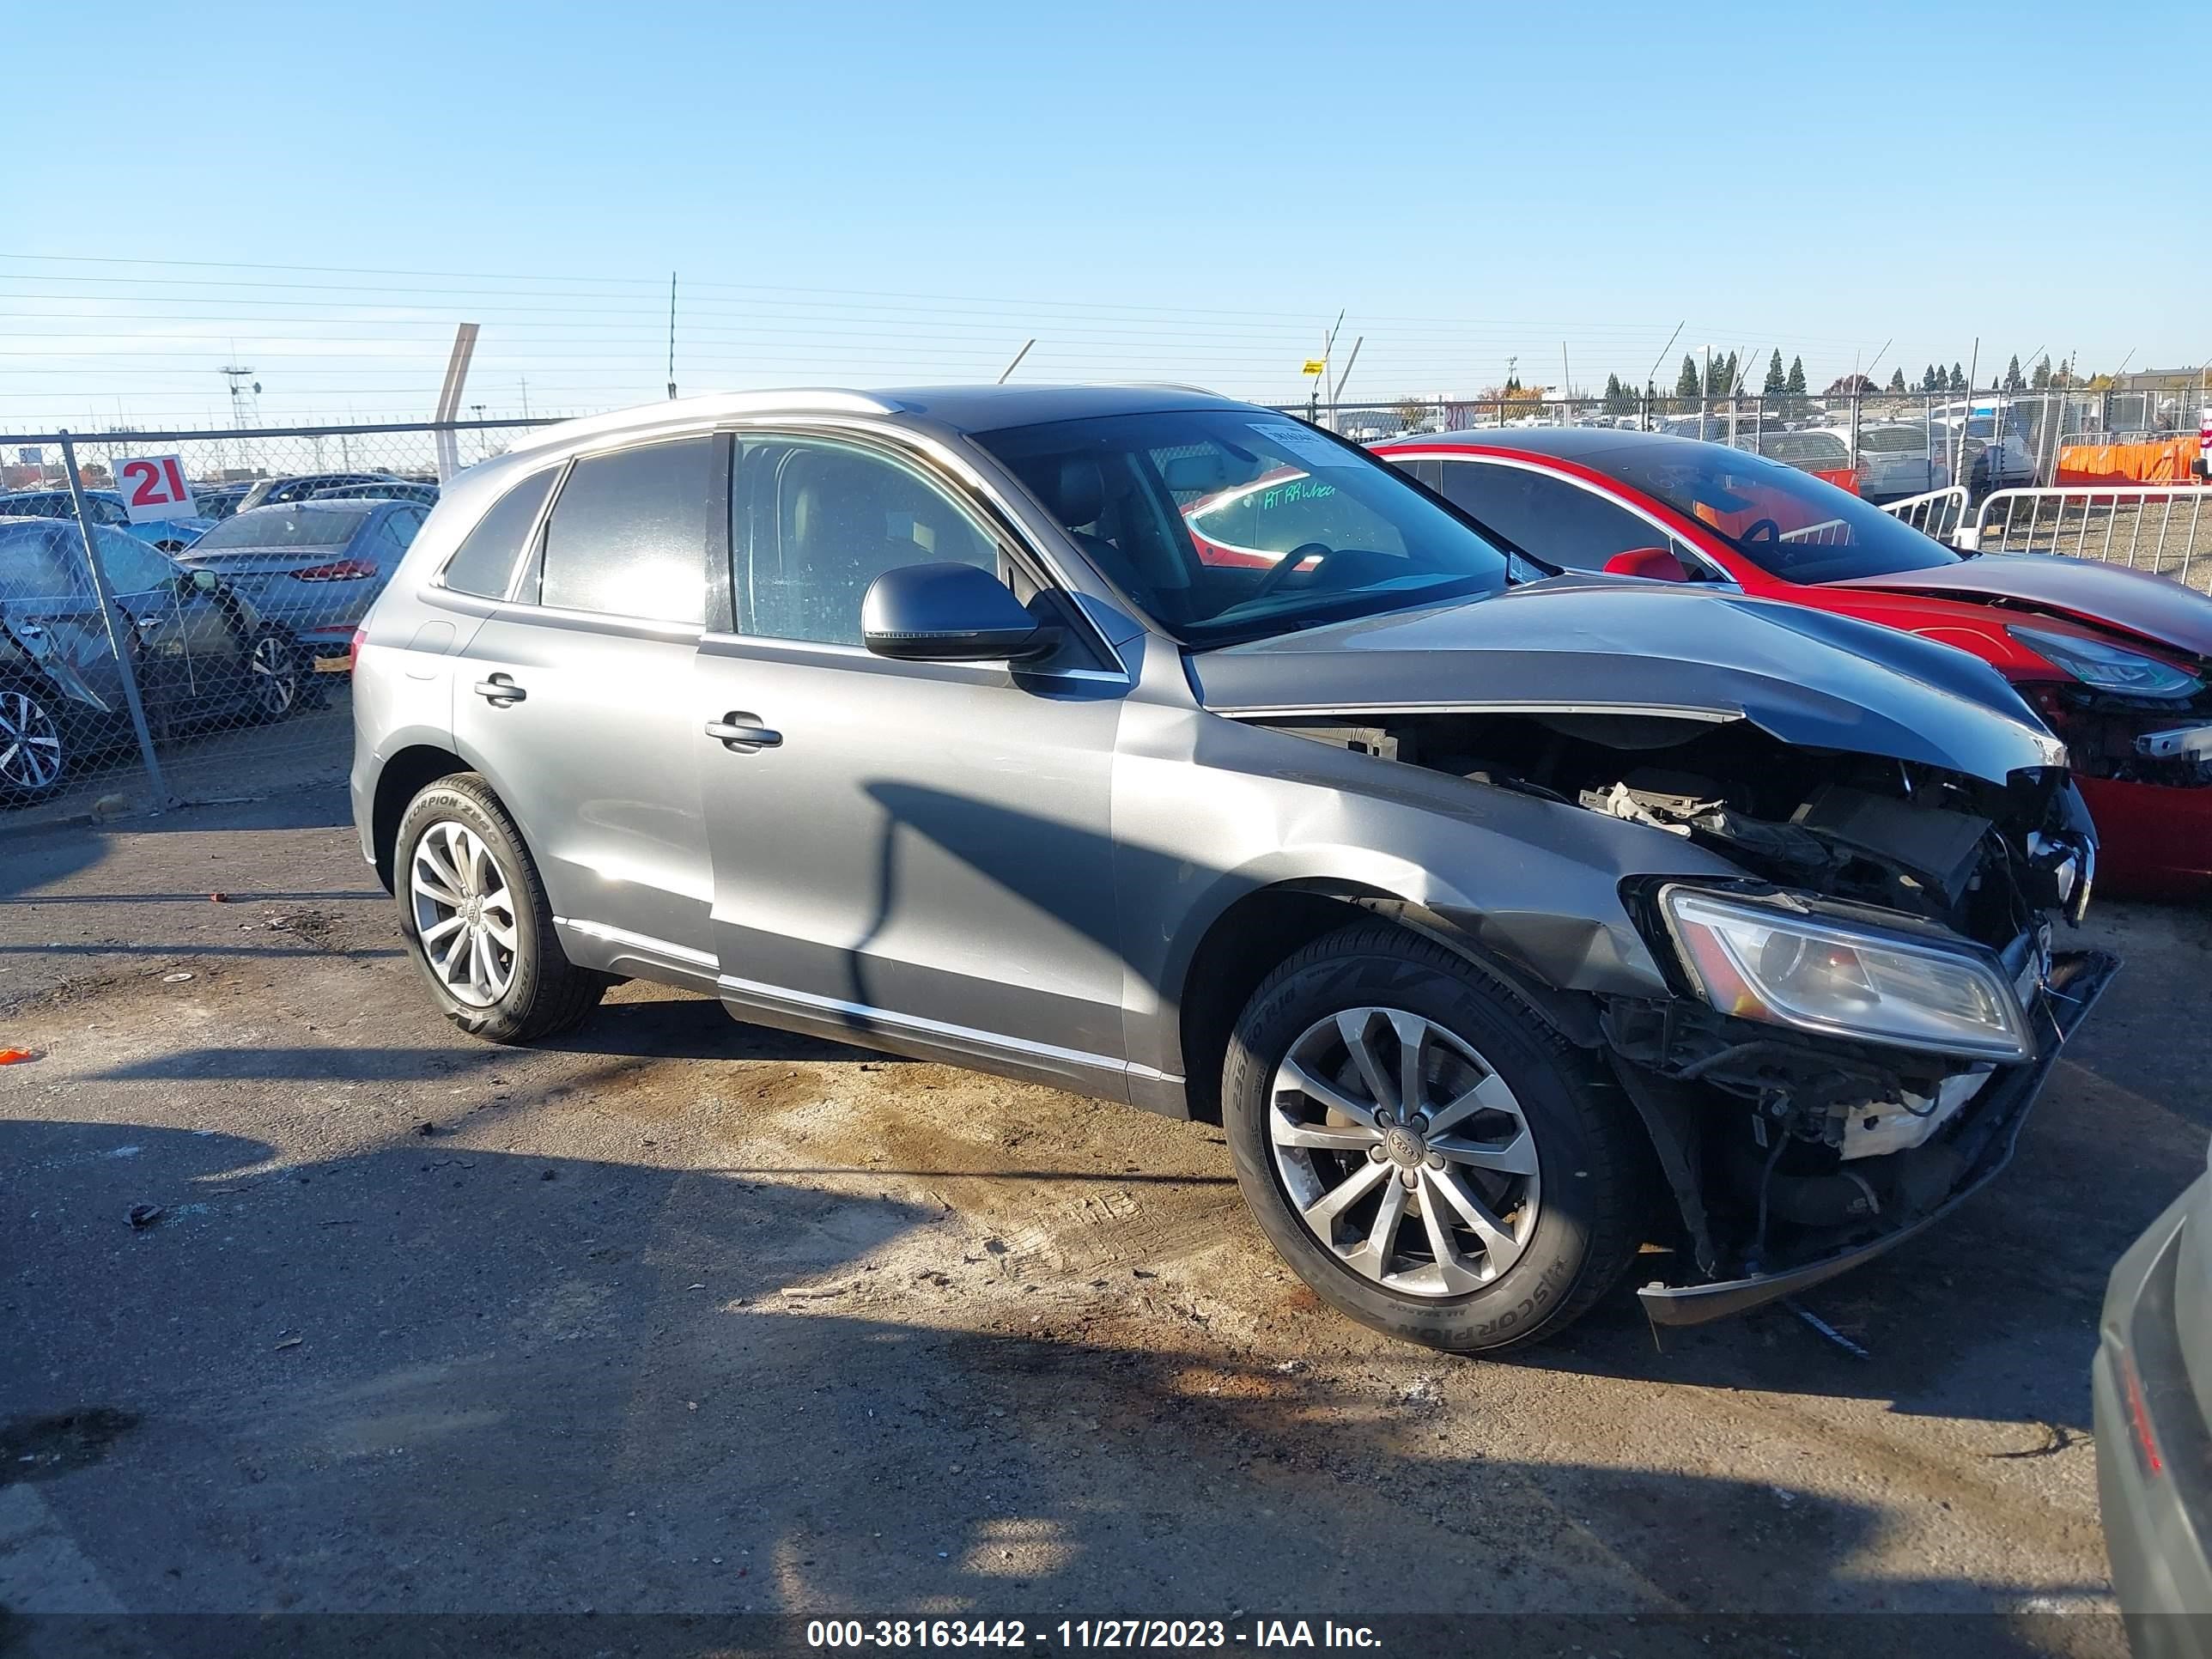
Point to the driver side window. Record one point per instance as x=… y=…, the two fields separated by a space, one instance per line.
x=813 y=523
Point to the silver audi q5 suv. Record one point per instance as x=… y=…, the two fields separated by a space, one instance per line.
x=1171 y=750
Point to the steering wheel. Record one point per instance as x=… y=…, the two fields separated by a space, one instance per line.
x=1279 y=572
x=1751 y=532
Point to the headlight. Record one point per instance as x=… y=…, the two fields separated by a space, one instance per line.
x=2108 y=667
x=1757 y=962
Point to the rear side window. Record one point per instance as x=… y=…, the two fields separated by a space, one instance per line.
x=628 y=536
x=485 y=559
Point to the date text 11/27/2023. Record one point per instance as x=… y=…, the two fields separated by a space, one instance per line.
x=1157 y=1634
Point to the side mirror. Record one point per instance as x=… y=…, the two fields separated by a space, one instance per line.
x=204 y=581
x=949 y=613
x=1652 y=563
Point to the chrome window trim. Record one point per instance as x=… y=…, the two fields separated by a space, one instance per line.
x=1717 y=578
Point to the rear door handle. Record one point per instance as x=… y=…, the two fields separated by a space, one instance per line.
x=500 y=690
x=743 y=734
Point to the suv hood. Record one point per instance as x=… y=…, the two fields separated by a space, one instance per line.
x=2151 y=607
x=1598 y=644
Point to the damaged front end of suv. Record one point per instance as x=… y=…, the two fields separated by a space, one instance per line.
x=1846 y=996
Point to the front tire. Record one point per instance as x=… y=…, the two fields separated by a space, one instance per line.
x=1422 y=1149
x=34 y=745
x=477 y=921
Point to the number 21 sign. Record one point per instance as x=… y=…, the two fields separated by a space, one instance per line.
x=154 y=487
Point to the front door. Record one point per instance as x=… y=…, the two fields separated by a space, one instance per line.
x=901 y=849
x=152 y=592
x=576 y=697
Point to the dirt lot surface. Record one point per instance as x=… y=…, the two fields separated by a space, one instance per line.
x=678 y=1315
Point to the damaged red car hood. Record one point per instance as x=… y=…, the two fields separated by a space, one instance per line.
x=2111 y=596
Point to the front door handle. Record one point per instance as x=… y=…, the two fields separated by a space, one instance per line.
x=500 y=690
x=743 y=734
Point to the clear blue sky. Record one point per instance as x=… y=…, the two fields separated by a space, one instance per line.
x=872 y=193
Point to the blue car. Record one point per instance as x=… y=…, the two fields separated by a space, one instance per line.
x=311 y=567
x=105 y=506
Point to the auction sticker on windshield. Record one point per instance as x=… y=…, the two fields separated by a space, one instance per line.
x=1309 y=446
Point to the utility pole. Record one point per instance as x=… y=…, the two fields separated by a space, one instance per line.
x=1016 y=362
x=671 y=336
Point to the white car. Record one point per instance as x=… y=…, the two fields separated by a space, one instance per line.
x=1898 y=458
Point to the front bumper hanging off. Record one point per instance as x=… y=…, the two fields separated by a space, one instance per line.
x=1988 y=1134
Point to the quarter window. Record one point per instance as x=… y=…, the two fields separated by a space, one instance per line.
x=486 y=557
x=628 y=534
x=813 y=524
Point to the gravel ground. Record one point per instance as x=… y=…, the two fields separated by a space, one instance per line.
x=682 y=1316
x=2167 y=537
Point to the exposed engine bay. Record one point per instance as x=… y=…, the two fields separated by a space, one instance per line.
x=1785 y=1147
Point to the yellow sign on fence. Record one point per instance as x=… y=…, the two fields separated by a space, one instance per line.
x=1314 y=366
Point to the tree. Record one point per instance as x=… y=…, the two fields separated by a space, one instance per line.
x=1958 y=378
x=1849 y=386
x=1795 y=386
x=1897 y=379
x=1773 y=385
x=1931 y=378
x=1723 y=383
x=1620 y=398
x=1685 y=383
x=2042 y=381
x=2014 y=379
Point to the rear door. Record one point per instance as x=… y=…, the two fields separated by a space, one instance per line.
x=575 y=696
x=911 y=848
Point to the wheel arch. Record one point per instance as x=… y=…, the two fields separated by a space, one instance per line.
x=405 y=774
x=1259 y=931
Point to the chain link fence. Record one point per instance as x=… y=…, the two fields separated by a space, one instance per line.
x=1889 y=445
x=177 y=607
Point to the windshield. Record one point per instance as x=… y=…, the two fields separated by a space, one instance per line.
x=293 y=526
x=1787 y=522
x=1229 y=524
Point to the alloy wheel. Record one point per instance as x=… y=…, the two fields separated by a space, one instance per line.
x=1404 y=1153
x=464 y=913
x=275 y=672
x=30 y=744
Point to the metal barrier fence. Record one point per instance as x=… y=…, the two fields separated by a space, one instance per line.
x=160 y=645
x=2165 y=530
x=1939 y=512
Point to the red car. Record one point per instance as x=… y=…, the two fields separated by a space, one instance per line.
x=2118 y=662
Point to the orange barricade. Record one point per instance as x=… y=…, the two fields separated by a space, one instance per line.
x=2164 y=462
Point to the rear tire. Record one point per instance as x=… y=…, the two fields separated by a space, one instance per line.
x=1494 y=1209
x=477 y=921
x=275 y=672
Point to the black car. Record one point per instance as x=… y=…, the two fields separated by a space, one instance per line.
x=201 y=651
x=305 y=486
x=422 y=494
